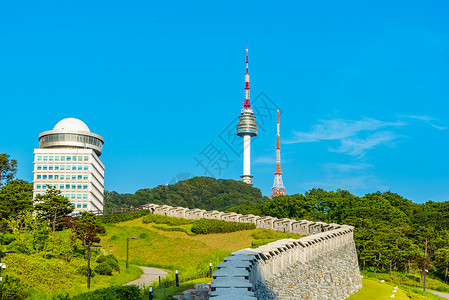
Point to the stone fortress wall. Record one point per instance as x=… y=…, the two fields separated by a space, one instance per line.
x=322 y=265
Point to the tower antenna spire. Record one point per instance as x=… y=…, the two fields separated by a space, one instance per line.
x=247 y=103
x=278 y=188
x=247 y=128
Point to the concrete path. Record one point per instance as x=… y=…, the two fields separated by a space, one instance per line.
x=444 y=295
x=149 y=275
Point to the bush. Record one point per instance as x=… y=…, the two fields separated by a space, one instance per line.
x=100 y=259
x=110 y=256
x=20 y=247
x=11 y=288
x=207 y=226
x=113 y=264
x=103 y=269
x=82 y=270
x=127 y=292
x=117 y=218
x=160 y=219
x=7 y=238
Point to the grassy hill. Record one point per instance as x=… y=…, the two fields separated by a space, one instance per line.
x=157 y=246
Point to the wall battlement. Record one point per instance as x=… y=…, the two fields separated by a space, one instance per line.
x=322 y=265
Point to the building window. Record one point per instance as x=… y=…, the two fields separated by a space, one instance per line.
x=73 y=177
x=86 y=167
x=79 y=186
x=73 y=196
x=68 y=158
x=50 y=168
x=85 y=177
x=67 y=186
x=44 y=186
x=39 y=167
x=67 y=196
x=78 y=196
x=38 y=186
x=50 y=158
x=62 y=167
x=50 y=176
x=56 y=167
x=78 y=205
x=86 y=158
x=56 y=176
x=74 y=167
x=80 y=158
x=38 y=177
x=44 y=176
x=84 y=205
x=85 y=187
x=73 y=186
x=45 y=158
x=39 y=158
x=74 y=158
x=61 y=186
x=62 y=158
x=80 y=177
x=61 y=176
x=84 y=196
x=56 y=158
x=80 y=167
x=44 y=167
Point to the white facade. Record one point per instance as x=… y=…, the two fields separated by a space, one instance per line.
x=75 y=170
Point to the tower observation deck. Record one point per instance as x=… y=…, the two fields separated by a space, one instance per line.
x=247 y=128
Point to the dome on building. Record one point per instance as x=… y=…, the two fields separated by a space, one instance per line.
x=71 y=124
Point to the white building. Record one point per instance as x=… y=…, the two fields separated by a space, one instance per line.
x=68 y=159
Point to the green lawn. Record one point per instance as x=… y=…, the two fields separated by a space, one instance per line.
x=373 y=289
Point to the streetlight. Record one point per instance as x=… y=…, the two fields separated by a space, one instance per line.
x=3 y=266
x=88 y=263
x=127 y=249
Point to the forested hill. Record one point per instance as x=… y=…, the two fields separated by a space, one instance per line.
x=198 y=192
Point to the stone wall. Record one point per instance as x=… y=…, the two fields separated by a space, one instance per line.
x=322 y=265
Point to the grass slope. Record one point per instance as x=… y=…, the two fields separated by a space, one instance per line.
x=373 y=290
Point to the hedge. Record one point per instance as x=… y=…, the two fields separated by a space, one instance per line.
x=206 y=226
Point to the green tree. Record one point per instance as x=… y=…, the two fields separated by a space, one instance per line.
x=86 y=228
x=53 y=207
x=8 y=168
x=16 y=197
x=442 y=260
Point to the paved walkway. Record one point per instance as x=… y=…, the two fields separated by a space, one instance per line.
x=149 y=275
x=444 y=295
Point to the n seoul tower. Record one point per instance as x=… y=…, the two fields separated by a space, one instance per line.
x=247 y=128
x=278 y=188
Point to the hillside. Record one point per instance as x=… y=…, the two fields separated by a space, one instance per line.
x=198 y=192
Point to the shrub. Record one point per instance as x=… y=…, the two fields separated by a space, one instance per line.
x=110 y=256
x=82 y=270
x=100 y=259
x=127 y=292
x=6 y=238
x=103 y=269
x=20 y=247
x=117 y=218
x=113 y=264
x=11 y=288
x=160 y=219
x=207 y=226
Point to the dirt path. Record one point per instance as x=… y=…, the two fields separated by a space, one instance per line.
x=149 y=275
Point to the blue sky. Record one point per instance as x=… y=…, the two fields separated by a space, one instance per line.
x=362 y=87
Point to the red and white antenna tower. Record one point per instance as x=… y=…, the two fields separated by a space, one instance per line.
x=278 y=188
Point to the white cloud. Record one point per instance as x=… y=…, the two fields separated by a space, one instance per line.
x=355 y=136
x=428 y=119
x=346 y=167
x=270 y=160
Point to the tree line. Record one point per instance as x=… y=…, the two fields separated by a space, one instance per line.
x=391 y=233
